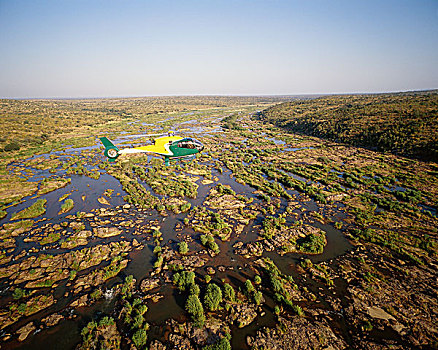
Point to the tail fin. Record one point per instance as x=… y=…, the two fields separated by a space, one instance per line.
x=111 y=151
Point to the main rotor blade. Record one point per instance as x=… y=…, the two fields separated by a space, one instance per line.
x=161 y=134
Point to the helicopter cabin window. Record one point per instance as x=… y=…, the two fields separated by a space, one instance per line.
x=187 y=144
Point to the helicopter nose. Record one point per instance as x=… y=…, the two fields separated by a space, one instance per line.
x=199 y=146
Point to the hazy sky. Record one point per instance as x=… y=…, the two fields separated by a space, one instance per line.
x=136 y=48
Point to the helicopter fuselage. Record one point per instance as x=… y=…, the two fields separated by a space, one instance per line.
x=167 y=146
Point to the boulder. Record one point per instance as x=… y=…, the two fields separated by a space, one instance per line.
x=149 y=283
x=24 y=331
x=103 y=232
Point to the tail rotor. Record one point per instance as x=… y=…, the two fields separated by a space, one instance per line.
x=111 y=151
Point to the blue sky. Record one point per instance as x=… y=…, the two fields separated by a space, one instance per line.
x=236 y=47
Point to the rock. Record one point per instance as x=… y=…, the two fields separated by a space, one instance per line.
x=377 y=312
x=238 y=245
x=149 y=283
x=399 y=328
x=157 y=345
x=24 y=331
x=189 y=262
x=244 y=314
x=156 y=297
x=83 y=234
x=77 y=226
x=249 y=340
x=336 y=197
x=82 y=301
x=300 y=334
x=103 y=232
x=210 y=270
x=103 y=200
x=52 y=320
x=126 y=206
x=179 y=342
x=226 y=201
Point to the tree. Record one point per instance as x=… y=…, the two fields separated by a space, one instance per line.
x=139 y=338
x=184 y=279
x=257 y=279
x=183 y=248
x=195 y=309
x=229 y=293
x=249 y=287
x=213 y=297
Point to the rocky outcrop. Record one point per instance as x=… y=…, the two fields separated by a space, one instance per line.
x=148 y=284
x=52 y=320
x=80 y=302
x=104 y=232
x=298 y=333
x=24 y=331
x=243 y=314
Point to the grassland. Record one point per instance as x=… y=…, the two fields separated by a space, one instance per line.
x=404 y=124
x=44 y=124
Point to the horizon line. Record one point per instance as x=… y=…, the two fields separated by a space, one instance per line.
x=219 y=95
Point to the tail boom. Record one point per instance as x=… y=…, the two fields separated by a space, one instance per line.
x=111 y=151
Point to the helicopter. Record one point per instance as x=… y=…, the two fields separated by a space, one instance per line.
x=168 y=145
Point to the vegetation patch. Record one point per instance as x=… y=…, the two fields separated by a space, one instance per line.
x=36 y=209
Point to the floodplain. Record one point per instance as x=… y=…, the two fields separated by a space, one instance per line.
x=269 y=239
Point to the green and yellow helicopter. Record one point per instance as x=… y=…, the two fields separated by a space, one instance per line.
x=169 y=146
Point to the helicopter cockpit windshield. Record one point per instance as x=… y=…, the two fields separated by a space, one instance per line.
x=190 y=143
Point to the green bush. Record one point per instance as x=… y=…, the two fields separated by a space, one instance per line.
x=139 y=338
x=258 y=297
x=223 y=344
x=312 y=243
x=184 y=279
x=36 y=209
x=194 y=289
x=183 y=248
x=12 y=146
x=229 y=293
x=18 y=293
x=213 y=297
x=195 y=309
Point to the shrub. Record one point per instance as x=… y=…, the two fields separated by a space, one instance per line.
x=68 y=205
x=12 y=146
x=184 y=279
x=208 y=241
x=223 y=344
x=195 y=309
x=258 y=297
x=183 y=248
x=312 y=243
x=36 y=209
x=194 y=289
x=139 y=338
x=106 y=321
x=249 y=287
x=213 y=297
x=229 y=293
x=18 y=293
